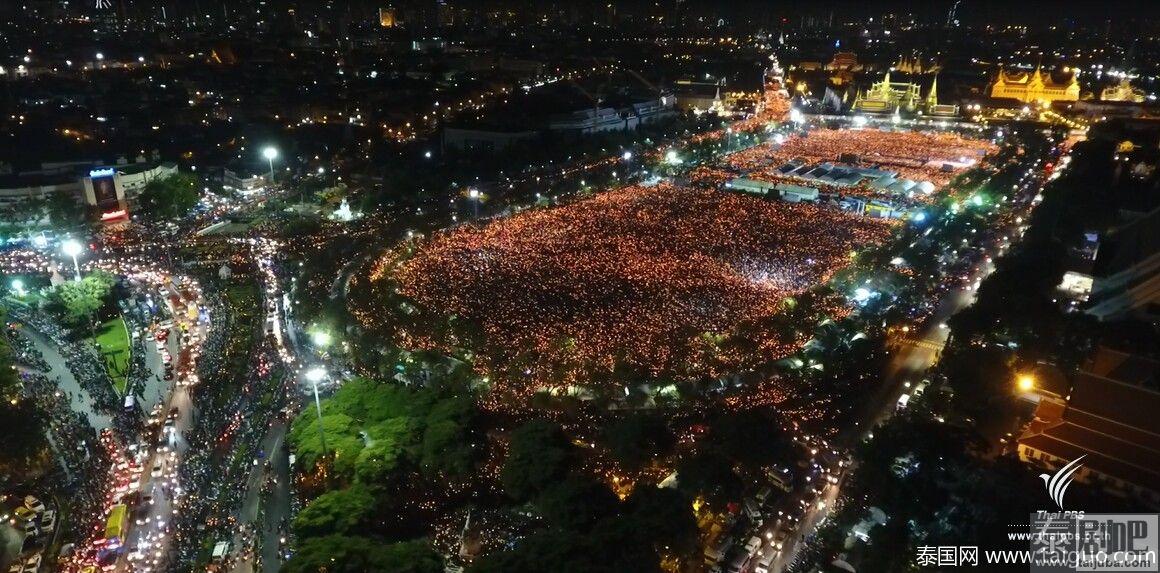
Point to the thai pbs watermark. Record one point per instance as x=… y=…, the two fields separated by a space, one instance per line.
x=1078 y=541
x=1066 y=541
x=1063 y=541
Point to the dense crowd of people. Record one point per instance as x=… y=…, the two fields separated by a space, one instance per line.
x=24 y=352
x=82 y=360
x=233 y=416
x=916 y=155
x=636 y=273
x=84 y=465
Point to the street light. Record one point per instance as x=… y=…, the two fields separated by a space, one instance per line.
x=73 y=248
x=320 y=338
x=474 y=195
x=316 y=375
x=270 y=153
x=1026 y=383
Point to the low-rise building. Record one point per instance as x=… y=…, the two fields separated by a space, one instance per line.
x=1126 y=274
x=107 y=189
x=1109 y=418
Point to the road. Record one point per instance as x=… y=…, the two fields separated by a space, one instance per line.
x=276 y=468
x=162 y=448
x=909 y=363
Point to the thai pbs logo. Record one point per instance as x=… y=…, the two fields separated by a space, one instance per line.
x=1057 y=484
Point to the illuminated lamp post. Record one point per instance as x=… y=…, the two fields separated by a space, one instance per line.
x=475 y=198
x=316 y=375
x=73 y=248
x=1025 y=383
x=270 y=153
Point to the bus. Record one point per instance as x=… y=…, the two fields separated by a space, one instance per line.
x=116 y=526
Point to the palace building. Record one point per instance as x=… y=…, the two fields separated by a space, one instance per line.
x=889 y=97
x=1122 y=91
x=1035 y=87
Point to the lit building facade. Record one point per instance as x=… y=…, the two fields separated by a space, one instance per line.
x=1035 y=87
x=888 y=97
x=1122 y=91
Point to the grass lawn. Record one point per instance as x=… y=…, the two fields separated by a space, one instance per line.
x=113 y=342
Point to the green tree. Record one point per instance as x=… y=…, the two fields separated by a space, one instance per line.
x=638 y=438
x=342 y=554
x=752 y=438
x=711 y=475
x=386 y=445
x=576 y=503
x=81 y=300
x=23 y=447
x=665 y=516
x=335 y=512
x=539 y=455
x=448 y=446
x=341 y=441
x=63 y=209
x=611 y=548
x=170 y=197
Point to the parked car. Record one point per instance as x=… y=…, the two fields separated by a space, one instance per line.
x=25 y=514
x=29 y=528
x=34 y=504
x=32 y=564
x=48 y=521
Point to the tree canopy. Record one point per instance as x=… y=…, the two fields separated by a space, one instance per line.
x=335 y=512
x=373 y=430
x=539 y=455
x=635 y=439
x=343 y=554
x=80 y=300
x=170 y=197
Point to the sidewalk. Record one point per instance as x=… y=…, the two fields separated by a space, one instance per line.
x=81 y=401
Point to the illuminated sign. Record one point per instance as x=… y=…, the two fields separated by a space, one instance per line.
x=107 y=172
x=113 y=215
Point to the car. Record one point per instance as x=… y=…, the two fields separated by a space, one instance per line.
x=753 y=545
x=174 y=412
x=32 y=564
x=158 y=467
x=17 y=567
x=48 y=520
x=34 y=504
x=30 y=528
x=24 y=514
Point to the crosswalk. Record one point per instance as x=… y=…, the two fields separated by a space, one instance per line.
x=923 y=343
